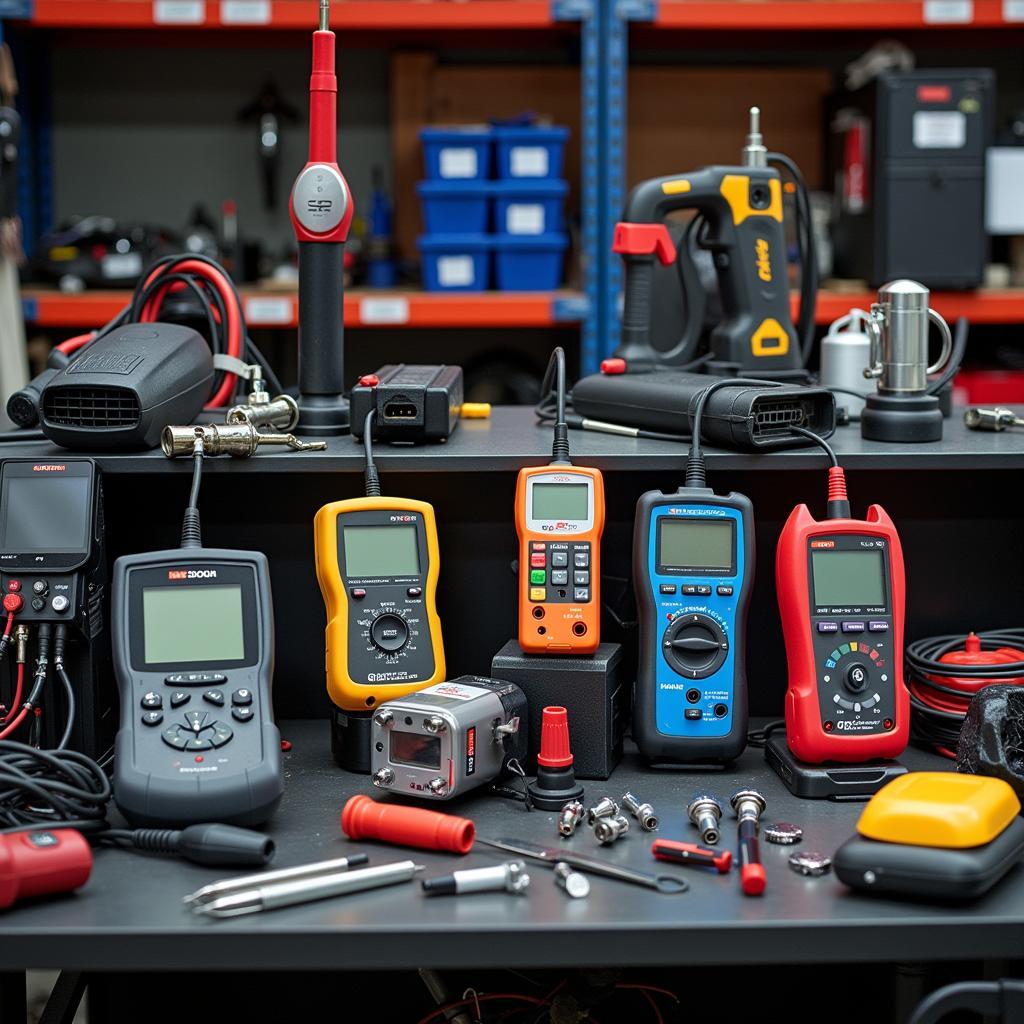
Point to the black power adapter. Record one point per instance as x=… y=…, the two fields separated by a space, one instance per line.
x=413 y=402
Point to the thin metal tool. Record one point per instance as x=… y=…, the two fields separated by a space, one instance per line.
x=306 y=890
x=238 y=439
x=552 y=855
x=996 y=419
x=230 y=885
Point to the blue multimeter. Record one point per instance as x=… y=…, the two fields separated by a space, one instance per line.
x=693 y=569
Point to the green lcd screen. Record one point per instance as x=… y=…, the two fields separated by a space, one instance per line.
x=381 y=551
x=853 y=578
x=193 y=625
x=702 y=544
x=559 y=501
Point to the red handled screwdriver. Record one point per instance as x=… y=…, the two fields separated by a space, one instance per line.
x=692 y=855
x=321 y=210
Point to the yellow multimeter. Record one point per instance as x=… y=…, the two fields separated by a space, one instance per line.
x=377 y=563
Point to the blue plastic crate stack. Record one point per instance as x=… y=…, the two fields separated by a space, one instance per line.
x=494 y=208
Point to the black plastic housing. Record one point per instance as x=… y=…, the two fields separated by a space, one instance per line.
x=414 y=403
x=745 y=417
x=124 y=388
x=838 y=782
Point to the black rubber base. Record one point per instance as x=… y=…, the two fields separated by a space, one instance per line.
x=554 y=788
x=901 y=420
x=830 y=781
x=323 y=416
x=350 y=740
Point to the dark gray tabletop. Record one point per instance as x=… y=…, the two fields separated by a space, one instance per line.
x=130 y=915
x=511 y=439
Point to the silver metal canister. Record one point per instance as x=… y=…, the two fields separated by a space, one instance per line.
x=845 y=351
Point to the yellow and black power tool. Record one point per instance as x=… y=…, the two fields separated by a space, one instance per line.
x=739 y=221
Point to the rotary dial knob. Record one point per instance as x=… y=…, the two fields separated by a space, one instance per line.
x=695 y=645
x=389 y=632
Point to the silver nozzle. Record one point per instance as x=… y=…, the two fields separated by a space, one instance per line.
x=748 y=804
x=608 y=830
x=604 y=808
x=325 y=15
x=755 y=153
x=238 y=439
x=991 y=419
x=569 y=817
x=644 y=813
x=705 y=812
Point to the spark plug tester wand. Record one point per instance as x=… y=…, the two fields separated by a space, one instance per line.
x=321 y=211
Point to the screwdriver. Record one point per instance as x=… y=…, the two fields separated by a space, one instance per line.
x=991 y=419
x=692 y=855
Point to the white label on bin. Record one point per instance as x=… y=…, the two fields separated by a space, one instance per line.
x=117 y=265
x=458 y=162
x=525 y=219
x=179 y=12
x=948 y=12
x=245 y=12
x=529 y=162
x=455 y=271
x=264 y=310
x=383 y=311
x=1013 y=10
x=940 y=129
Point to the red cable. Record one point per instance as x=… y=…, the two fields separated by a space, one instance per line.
x=490 y=997
x=17 y=698
x=654 y=1006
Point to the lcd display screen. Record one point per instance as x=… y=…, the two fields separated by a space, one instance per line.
x=48 y=513
x=381 y=551
x=414 y=750
x=853 y=578
x=702 y=544
x=192 y=625
x=559 y=501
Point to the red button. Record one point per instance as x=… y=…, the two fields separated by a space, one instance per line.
x=538 y=545
x=369 y=380
x=12 y=602
x=14 y=586
x=358 y=593
x=538 y=560
x=199 y=758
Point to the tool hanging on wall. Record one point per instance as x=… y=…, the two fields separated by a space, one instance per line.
x=321 y=210
x=269 y=110
x=740 y=221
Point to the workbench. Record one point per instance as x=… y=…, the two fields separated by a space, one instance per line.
x=957 y=505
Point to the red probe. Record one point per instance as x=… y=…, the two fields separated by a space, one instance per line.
x=38 y=863
x=692 y=855
x=363 y=818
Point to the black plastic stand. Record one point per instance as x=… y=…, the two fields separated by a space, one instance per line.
x=829 y=781
x=906 y=420
x=350 y=740
x=323 y=408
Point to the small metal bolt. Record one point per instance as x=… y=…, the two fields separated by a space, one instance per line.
x=608 y=830
x=644 y=813
x=572 y=882
x=569 y=817
x=605 y=808
x=705 y=812
x=384 y=777
x=748 y=804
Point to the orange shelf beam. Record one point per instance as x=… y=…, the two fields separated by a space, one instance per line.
x=808 y=15
x=985 y=306
x=345 y=14
x=47 y=308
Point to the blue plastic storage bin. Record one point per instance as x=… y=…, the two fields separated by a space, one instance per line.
x=529 y=263
x=456 y=263
x=537 y=152
x=455 y=207
x=457 y=153
x=529 y=207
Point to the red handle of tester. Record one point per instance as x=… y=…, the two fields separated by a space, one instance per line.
x=42 y=862
x=752 y=874
x=363 y=818
x=692 y=854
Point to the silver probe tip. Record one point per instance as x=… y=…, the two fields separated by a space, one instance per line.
x=325 y=15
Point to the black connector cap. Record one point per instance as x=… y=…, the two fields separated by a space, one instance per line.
x=443 y=886
x=224 y=844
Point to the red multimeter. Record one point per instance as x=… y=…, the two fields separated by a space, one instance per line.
x=841 y=591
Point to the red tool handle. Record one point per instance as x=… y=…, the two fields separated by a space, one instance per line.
x=692 y=854
x=37 y=863
x=363 y=818
x=752 y=873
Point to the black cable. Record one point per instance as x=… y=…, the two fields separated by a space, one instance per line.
x=191 y=526
x=554 y=376
x=59 y=641
x=818 y=440
x=759 y=737
x=956 y=357
x=696 y=473
x=370 y=473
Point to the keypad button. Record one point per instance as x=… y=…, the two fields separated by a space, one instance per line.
x=242 y=714
x=723 y=590
x=853 y=627
x=828 y=627
x=199 y=743
x=241 y=698
x=703 y=590
x=152 y=718
x=689 y=588
x=581 y=578
x=221 y=734
x=537 y=545
x=667 y=588
x=152 y=701
x=195 y=720
x=174 y=737
x=214 y=697
x=358 y=593
x=414 y=592
x=581 y=594
x=560 y=578
x=692 y=714
x=878 y=626
x=538 y=593
x=538 y=560
x=581 y=559
x=195 y=678
x=559 y=559
x=538 y=577
x=180 y=697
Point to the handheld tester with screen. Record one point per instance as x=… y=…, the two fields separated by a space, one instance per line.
x=840 y=585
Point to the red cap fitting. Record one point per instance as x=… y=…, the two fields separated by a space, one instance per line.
x=41 y=862
x=752 y=879
x=836 y=484
x=13 y=603
x=363 y=818
x=613 y=366
x=554 y=739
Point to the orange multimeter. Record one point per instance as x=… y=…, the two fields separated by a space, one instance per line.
x=559 y=519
